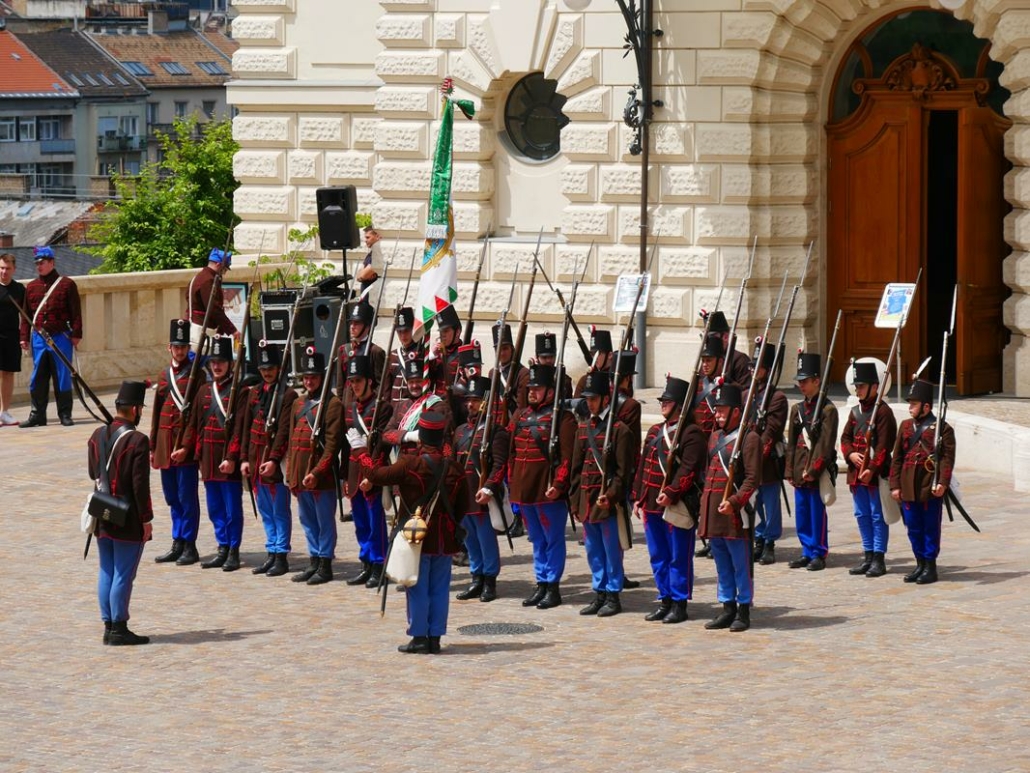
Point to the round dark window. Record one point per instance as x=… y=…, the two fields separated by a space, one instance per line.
x=533 y=118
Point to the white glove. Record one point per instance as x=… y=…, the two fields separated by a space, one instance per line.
x=485 y=492
x=355 y=439
x=411 y=436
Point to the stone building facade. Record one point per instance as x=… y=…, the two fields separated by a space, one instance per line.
x=334 y=93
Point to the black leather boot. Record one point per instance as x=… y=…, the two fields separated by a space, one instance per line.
x=375 y=577
x=64 y=408
x=536 y=596
x=489 y=589
x=725 y=618
x=189 y=554
x=305 y=575
x=677 y=614
x=913 y=576
x=107 y=632
x=878 y=567
x=473 y=591
x=768 y=554
x=552 y=597
x=267 y=564
x=434 y=645
x=817 y=564
x=219 y=560
x=659 y=613
x=37 y=416
x=743 y=619
x=121 y=636
x=628 y=584
x=361 y=577
x=419 y=645
x=929 y=574
x=232 y=563
x=705 y=551
x=612 y=605
x=800 y=563
x=862 y=568
x=594 y=606
x=173 y=554
x=280 y=566
x=759 y=548
x=324 y=572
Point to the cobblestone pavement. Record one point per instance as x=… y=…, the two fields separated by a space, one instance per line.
x=256 y=673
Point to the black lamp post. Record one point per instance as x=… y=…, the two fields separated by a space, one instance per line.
x=637 y=114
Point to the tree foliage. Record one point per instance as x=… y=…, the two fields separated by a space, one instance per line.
x=175 y=210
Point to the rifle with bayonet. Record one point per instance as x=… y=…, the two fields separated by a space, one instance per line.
x=553 y=450
x=812 y=432
x=731 y=343
x=583 y=347
x=520 y=339
x=192 y=385
x=781 y=345
x=467 y=334
x=275 y=404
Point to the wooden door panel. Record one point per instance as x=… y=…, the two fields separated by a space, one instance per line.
x=979 y=328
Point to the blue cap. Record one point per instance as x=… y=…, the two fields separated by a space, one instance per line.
x=220 y=256
x=43 y=253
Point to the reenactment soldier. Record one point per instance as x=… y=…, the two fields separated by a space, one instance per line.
x=203 y=292
x=407 y=349
x=911 y=478
x=769 y=425
x=121 y=455
x=433 y=485
x=810 y=454
x=264 y=433
x=629 y=414
x=216 y=447
x=485 y=487
x=444 y=359
x=402 y=431
x=546 y=352
x=725 y=521
x=52 y=303
x=360 y=412
x=739 y=370
x=538 y=483
x=866 y=465
x=598 y=501
x=512 y=375
x=712 y=353
x=309 y=469
x=670 y=546
x=179 y=481
x=603 y=356
x=360 y=322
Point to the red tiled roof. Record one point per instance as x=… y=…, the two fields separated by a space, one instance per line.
x=185 y=48
x=25 y=74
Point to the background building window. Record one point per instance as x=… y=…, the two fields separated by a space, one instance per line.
x=27 y=129
x=128 y=126
x=180 y=109
x=174 y=68
x=137 y=68
x=533 y=119
x=209 y=108
x=49 y=128
x=153 y=112
x=8 y=130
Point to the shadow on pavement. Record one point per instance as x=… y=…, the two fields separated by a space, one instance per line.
x=203 y=636
x=957 y=574
x=483 y=648
x=781 y=619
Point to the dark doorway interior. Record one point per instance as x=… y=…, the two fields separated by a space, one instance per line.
x=941 y=261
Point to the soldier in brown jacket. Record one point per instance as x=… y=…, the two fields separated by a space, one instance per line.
x=805 y=463
x=264 y=424
x=912 y=479
x=179 y=481
x=407 y=348
x=360 y=321
x=726 y=521
x=121 y=454
x=867 y=464
x=435 y=483
x=309 y=468
x=598 y=493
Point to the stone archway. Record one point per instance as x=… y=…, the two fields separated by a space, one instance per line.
x=774 y=65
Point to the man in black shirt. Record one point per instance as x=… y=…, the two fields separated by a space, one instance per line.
x=10 y=350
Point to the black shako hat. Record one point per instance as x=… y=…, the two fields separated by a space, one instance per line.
x=360 y=366
x=600 y=340
x=504 y=335
x=268 y=355
x=405 y=319
x=478 y=388
x=865 y=373
x=809 y=366
x=546 y=345
x=541 y=376
x=713 y=346
x=431 y=427
x=921 y=391
x=221 y=348
x=719 y=324
x=598 y=384
x=675 y=390
x=764 y=355
x=312 y=363
x=131 y=393
x=448 y=318
x=728 y=394
x=361 y=312
x=179 y=333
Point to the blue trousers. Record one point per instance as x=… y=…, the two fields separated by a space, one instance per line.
x=810 y=521
x=604 y=554
x=40 y=351
x=225 y=509
x=545 y=524
x=869 y=514
x=672 y=557
x=369 y=526
x=318 y=517
x=273 y=502
x=429 y=599
x=923 y=521
x=733 y=567
x=180 y=486
x=481 y=543
x=770 y=513
x=118 y=563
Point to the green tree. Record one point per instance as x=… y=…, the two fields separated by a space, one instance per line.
x=175 y=210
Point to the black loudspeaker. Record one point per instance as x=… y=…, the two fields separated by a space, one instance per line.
x=325 y=313
x=337 y=229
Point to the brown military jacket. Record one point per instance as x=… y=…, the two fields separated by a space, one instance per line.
x=166 y=416
x=254 y=445
x=689 y=461
x=823 y=453
x=586 y=476
x=772 y=435
x=299 y=461
x=855 y=440
x=468 y=445
x=908 y=468
x=528 y=465
x=405 y=419
x=129 y=477
x=713 y=523
x=360 y=415
x=200 y=293
x=206 y=434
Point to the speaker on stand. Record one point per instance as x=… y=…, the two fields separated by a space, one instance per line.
x=337 y=228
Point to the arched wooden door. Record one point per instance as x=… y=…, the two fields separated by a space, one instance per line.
x=886 y=220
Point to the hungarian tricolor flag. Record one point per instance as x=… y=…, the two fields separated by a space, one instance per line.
x=438 y=282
